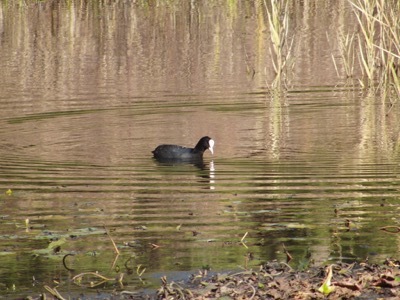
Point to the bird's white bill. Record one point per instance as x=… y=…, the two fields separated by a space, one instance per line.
x=211 y=144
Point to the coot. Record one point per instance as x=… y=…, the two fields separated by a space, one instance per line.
x=179 y=153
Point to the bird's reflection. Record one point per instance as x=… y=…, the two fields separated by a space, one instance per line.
x=212 y=175
x=198 y=163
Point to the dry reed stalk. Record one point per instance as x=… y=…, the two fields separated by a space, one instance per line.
x=112 y=241
x=278 y=21
x=346 y=53
x=379 y=45
x=367 y=50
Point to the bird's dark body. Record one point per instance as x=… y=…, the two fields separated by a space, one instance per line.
x=174 y=152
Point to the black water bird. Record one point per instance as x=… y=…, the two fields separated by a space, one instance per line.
x=170 y=153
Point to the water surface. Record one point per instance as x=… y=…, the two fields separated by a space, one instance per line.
x=89 y=89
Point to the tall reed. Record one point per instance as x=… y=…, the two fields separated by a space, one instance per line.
x=278 y=21
x=347 y=54
x=367 y=50
x=378 y=46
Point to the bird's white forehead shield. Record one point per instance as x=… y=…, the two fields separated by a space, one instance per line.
x=211 y=144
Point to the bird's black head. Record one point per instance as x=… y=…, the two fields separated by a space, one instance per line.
x=205 y=143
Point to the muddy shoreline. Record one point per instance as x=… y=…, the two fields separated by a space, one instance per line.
x=276 y=280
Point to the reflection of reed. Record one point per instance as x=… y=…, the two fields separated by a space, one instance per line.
x=88 y=55
x=172 y=47
x=276 y=124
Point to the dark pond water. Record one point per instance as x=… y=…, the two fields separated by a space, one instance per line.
x=88 y=89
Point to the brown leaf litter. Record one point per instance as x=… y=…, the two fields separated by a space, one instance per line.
x=276 y=280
